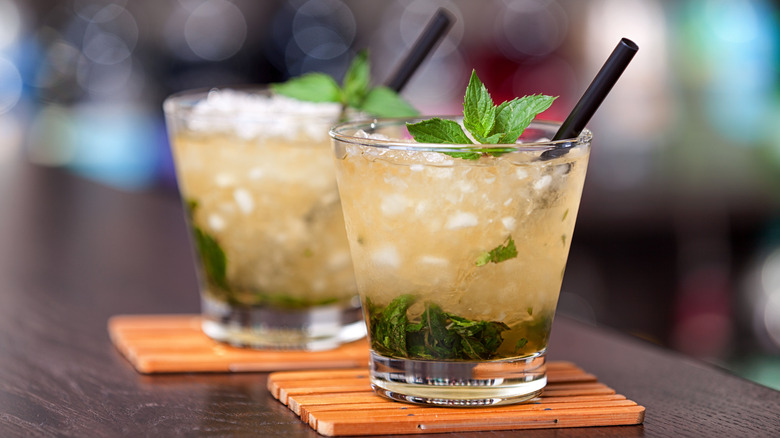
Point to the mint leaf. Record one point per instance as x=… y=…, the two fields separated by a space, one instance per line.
x=431 y=340
x=498 y=254
x=212 y=256
x=384 y=102
x=488 y=123
x=441 y=131
x=356 y=91
x=479 y=112
x=512 y=117
x=388 y=325
x=493 y=139
x=437 y=334
x=478 y=339
x=311 y=87
x=438 y=131
x=356 y=80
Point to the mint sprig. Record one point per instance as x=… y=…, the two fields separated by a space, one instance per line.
x=502 y=252
x=355 y=92
x=485 y=122
x=436 y=335
x=212 y=256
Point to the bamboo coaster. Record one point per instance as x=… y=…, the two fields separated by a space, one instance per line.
x=341 y=403
x=176 y=344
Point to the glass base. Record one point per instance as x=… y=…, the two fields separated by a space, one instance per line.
x=313 y=329
x=449 y=383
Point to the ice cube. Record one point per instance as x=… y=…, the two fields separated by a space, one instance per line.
x=255 y=173
x=224 y=179
x=466 y=186
x=244 y=200
x=396 y=181
x=461 y=220
x=216 y=222
x=509 y=223
x=363 y=134
x=386 y=256
x=442 y=173
x=434 y=261
x=339 y=260
x=420 y=208
x=394 y=204
x=543 y=182
x=352 y=149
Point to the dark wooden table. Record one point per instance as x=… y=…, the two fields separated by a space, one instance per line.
x=73 y=253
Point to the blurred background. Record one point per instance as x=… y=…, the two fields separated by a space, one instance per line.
x=678 y=238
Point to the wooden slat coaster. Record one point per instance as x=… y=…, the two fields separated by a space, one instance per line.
x=341 y=403
x=176 y=343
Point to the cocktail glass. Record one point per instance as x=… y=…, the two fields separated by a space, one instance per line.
x=256 y=176
x=459 y=254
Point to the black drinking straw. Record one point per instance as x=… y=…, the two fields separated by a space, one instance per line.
x=436 y=29
x=598 y=90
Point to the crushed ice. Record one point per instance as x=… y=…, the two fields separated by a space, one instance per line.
x=418 y=159
x=244 y=200
x=386 y=256
x=252 y=115
x=376 y=136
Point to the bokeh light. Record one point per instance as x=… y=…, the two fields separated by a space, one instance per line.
x=314 y=35
x=436 y=87
x=10 y=85
x=10 y=23
x=215 y=30
x=630 y=133
x=544 y=27
x=738 y=40
x=766 y=302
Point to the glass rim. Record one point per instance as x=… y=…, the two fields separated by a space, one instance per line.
x=182 y=104
x=337 y=132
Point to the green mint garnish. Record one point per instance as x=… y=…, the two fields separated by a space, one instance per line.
x=484 y=121
x=479 y=112
x=437 y=335
x=388 y=325
x=498 y=254
x=355 y=92
x=311 y=87
x=438 y=130
x=212 y=256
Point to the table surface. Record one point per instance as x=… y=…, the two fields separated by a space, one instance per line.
x=73 y=253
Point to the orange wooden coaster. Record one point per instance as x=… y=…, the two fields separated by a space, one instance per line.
x=176 y=344
x=341 y=403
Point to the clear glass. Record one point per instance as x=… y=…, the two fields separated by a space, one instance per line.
x=459 y=253
x=263 y=207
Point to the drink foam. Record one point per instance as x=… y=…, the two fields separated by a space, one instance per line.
x=260 y=115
